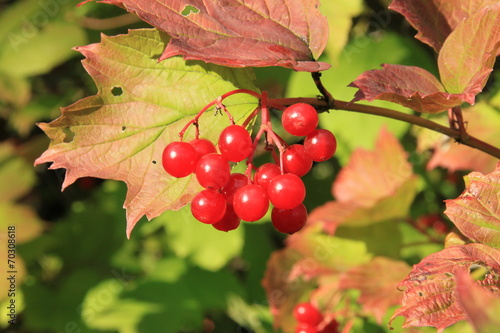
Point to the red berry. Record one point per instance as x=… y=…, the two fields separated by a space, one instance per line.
x=208 y=206
x=213 y=171
x=332 y=327
x=300 y=119
x=203 y=147
x=236 y=181
x=296 y=160
x=286 y=191
x=308 y=314
x=251 y=202
x=179 y=159
x=305 y=328
x=289 y=221
x=265 y=173
x=229 y=221
x=320 y=145
x=235 y=143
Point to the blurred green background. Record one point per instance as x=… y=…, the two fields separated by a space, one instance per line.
x=76 y=271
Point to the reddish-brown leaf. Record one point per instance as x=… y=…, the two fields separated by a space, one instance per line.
x=237 y=33
x=476 y=212
x=436 y=19
x=377 y=282
x=468 y=54
x=430 y=292
x=413 y=87
x=480 y=305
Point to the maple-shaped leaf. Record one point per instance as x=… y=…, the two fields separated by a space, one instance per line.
x=476 y=212
x=480 y=305
x=430 y=298
x=436 y=19
x=411 y=86
x=140 y=107
x=468 y=54
x=237 y=33
x=377 y=281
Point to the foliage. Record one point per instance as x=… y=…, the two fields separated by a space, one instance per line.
x=394 y=238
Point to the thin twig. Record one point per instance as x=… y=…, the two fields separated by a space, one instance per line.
x=468 y=140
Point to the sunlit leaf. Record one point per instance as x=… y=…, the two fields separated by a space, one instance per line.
x=436 y=19
x=476 y=212
x=476 y=40
x=288 y=33
x=140 y=107
x=429 y=290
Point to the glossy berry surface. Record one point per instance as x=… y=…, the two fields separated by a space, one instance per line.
x=203 y=147
x=229 y=221
x=236 y=181
x=289 y=221
x=308 y=314
x=320 y=145
x=179 y=159
x=208 y=206
x=213 y=171
x=265 y=173
x=235 y=143
x=251 y=202
x=286 y=191
x=300 y=119
x=296 y=160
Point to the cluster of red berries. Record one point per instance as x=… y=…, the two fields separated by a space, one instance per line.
x=229 y=197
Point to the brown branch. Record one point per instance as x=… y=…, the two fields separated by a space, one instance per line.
x=388 y=113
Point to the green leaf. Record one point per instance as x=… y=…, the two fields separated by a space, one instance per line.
x=141 y=105
x=364 y=53
x=468 y=54
x=204 y=245
x=476 y=211
x=16 y=175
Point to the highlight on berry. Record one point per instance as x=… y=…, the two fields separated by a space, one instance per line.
x=228 y=198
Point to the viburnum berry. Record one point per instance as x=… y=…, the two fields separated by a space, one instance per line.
x=229 y=221
x=203 y=147
x=213 y=171
x=320 y=145
x=179 y=159
x=236 y=181
x=251 y=202
x=235 y=143
x=265 y=173
x=208 y=206
x=300 y=119
x=296 y=160
x=286 y=191
x=289 y=221
x=308 y=314
x=305 y=328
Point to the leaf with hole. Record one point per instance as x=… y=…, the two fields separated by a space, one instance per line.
x=141 y=105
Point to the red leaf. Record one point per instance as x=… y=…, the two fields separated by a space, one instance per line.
x=476 y=212
x=410 y=86
x=141 y=105
x=468 y=54
x=430 y=295
x=436 y=19
x=236 y=33
x=481 y=306
x=377 y=281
